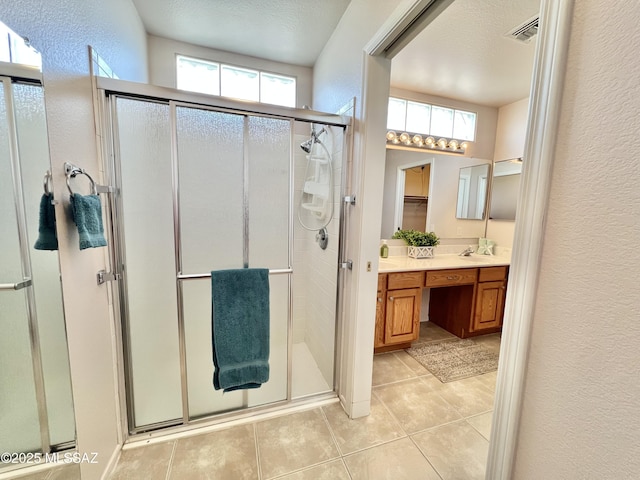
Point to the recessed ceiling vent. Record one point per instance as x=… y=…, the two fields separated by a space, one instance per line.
x=526 y=31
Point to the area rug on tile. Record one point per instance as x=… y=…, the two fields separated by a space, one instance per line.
x=454 y=360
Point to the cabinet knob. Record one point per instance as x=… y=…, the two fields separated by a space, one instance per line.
x=391 y=299
x=380 y=299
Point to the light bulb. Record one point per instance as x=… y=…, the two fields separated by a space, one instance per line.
x=453 y=145
x=391 y=136
x=417 y=139
x=442 y=143
x=429 y=141
x=464 y=145
x=405 y=138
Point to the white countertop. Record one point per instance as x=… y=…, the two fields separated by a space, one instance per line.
x=440 y=262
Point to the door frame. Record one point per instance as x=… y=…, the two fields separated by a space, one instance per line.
x=544 y=111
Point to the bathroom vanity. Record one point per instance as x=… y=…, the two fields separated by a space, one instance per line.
x=466 y=297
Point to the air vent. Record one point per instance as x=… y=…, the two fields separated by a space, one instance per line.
x=526 y=31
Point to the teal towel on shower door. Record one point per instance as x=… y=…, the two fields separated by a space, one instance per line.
x=87 y=214
x=47 y=238
x=240 y=328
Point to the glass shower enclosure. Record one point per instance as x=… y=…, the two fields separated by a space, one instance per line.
x=36 y=407
x=205 y=183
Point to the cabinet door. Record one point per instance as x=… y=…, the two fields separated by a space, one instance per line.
x=489 y=305
x=403 y=315
x=380 y=311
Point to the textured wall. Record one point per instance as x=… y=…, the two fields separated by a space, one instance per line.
x=61 y=30
x=581 y=401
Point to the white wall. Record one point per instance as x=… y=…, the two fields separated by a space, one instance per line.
x=61 y=31
x=510 y=137
x=338 y=78
x=162 y=64
x=581 y=399
x=443 y=193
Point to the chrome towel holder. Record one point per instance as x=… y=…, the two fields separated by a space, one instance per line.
x=72 y=171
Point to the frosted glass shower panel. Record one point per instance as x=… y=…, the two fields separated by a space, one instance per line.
x=204 y=400
x=210 y=159
x=147 y=205
x=34 y=161
x=19 y=412
x=269 y=155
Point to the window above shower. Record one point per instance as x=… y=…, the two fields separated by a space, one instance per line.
x=214 y=78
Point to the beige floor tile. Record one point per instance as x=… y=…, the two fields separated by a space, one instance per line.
x=334 y=470
x=397 y=460
x=415 y=366
x=293 y=442
x=387 y=368
x=68 y=472
x=416 y=405
x=229 y=453
x=488 y=380
x=33 y=476
x=492 y=341
x=430 y=332
x=152 y=461
x=468 y=396
x=457 y=451
x=353 y=435
x=482 y=423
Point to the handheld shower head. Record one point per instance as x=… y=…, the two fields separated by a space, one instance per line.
x=306 y=145
x=315 y=138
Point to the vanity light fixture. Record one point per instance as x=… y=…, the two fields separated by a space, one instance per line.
x=408 y=140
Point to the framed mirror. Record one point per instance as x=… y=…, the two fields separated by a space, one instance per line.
x=505 y=185
x=472 y=192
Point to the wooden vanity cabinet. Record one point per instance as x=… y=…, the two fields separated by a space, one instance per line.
x=398 y=306
x=490 y=294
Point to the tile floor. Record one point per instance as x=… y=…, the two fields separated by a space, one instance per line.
x=419 y=428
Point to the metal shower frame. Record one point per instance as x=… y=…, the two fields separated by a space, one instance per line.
x=106 y=90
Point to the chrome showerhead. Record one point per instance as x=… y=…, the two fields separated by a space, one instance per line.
x=306 y=145
x=315 y=138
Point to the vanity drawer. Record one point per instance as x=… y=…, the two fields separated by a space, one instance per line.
x=446 y=278
x=492 y=274
x=405 y=280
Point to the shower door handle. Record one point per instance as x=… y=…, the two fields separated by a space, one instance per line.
x=16 y=286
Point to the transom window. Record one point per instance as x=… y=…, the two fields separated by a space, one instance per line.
x=415 y=117
x=238 y=82
x=17 y=49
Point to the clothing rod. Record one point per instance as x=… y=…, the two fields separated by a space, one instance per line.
x=194 y=276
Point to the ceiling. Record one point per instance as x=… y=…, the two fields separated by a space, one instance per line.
x=462 y=54
x=289 y=31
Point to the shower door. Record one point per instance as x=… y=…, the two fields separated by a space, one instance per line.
x=201 y=188
x=36 y=409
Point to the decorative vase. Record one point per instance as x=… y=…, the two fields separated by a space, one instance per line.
x=420 y=252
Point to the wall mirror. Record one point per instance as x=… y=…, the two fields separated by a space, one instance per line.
x=505 y=187
x=37 y=407
x=472 y=192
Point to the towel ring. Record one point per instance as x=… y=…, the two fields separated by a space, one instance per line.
x=48 y=183
x=72 y=171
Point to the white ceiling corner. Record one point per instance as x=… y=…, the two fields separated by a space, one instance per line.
x=288 y=31
x=464 y=54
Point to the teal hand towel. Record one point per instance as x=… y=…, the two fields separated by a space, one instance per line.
x=47 y=238
x=87 y=214
x=240 y=328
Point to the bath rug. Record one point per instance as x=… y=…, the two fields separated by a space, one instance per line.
x=455 y=360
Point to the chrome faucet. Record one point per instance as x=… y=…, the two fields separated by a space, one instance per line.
x=467 y=251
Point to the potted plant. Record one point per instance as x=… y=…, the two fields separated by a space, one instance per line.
x=420 y=244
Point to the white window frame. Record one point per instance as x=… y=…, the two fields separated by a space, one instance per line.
x=221 y=65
